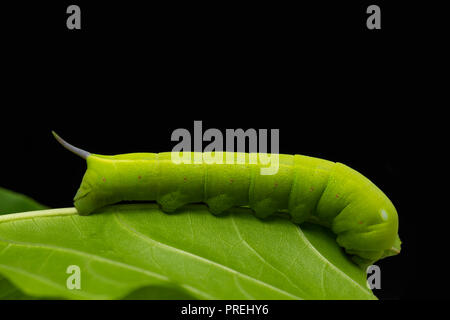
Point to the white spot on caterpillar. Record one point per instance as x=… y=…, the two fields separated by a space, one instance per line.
x=384 y=215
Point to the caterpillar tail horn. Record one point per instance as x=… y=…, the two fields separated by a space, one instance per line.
x=79 y=152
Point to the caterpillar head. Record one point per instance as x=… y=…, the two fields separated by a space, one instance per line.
x=368 y=229
x=91 y=194
x=94 y=191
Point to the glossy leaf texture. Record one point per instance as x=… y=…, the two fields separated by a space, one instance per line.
x=136 y=251
x=11 y=202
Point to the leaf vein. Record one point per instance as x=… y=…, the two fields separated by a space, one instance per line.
x=203 y=259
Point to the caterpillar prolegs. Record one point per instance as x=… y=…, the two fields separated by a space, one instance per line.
x=306 y=188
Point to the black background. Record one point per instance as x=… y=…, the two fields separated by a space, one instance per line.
x=135 y=73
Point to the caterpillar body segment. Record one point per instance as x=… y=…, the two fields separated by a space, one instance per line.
x=308 y=189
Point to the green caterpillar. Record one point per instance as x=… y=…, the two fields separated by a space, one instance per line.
x=306 y=188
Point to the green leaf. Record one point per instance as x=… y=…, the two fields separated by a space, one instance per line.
x=11 y=202
x=14 y=202
x=137 y=251
x=9 y=292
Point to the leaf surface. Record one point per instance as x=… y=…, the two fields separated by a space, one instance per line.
x=137 y=251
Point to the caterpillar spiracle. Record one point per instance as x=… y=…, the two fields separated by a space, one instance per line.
x=308 y=189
